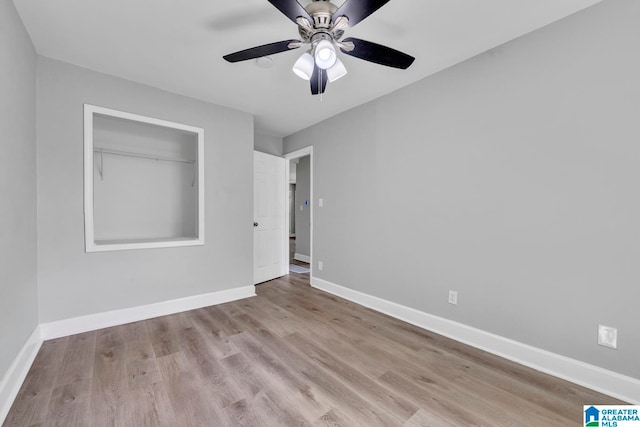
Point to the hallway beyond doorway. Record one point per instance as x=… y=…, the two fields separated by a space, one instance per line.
x=296 y=266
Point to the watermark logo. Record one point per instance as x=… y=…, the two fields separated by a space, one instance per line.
x=611 y=415
x=592 y=417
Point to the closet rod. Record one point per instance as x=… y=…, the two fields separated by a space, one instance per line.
x=140 y=155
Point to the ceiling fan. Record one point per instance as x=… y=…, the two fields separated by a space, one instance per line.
x=321 y=25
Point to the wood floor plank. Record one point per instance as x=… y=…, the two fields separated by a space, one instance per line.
x=365 y=386
x=278 y=320
x=78 y=359
x=347 y=343
x=433 y=399
x=190 y=399
x=292 y=355
x=223 y=316
x=202 y=351
x=69 y=404
x=141 y=367
x=209 y=327
x=277 y=379
x=110 y=400
x=163 y=335
x=242 y=413
x=275 y=413
x=334 y=418
x=423 y=418
x=349 y=401
x=258 y=386
x=152 y=406
x=241 y=372
x=342 y=315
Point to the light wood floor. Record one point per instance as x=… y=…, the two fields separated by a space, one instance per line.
x=292 y=355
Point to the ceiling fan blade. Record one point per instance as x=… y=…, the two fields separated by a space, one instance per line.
x=259 y=51
x=316 y=88
x=378 y=53
x=357 y=10
x=292 y=9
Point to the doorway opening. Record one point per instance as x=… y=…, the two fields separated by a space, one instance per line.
x=299 y=171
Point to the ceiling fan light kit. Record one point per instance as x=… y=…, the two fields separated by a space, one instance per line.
x=304 y=66
x=321 y=24
x=325 y=54
x=338 y=70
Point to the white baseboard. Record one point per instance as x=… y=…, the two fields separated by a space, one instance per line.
x=602 y=380
x=17 y=372
x=92 y=322
x=302 y=258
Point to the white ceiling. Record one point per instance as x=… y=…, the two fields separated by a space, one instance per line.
x=178 y=46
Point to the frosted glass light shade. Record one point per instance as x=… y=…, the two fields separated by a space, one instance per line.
x=325 y=54
x=304 y=66
x=338 y=70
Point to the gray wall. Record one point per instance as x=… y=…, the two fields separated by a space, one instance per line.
x=18 y=270
x=267 y=144
x=303 y=213
x=74 y=283
x=511 y=178
x=140 y=198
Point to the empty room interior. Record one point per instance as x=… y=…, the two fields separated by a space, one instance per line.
x=283 y=212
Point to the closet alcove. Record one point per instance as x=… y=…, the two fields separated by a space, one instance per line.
x=143 y=182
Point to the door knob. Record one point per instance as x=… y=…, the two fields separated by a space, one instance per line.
x=255 y=224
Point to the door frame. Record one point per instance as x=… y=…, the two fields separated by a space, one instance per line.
x=307 y=151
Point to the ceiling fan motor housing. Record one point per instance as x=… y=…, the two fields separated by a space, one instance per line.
x=321 y=11
x=322 y=26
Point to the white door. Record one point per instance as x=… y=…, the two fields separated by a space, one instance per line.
x=270 y=252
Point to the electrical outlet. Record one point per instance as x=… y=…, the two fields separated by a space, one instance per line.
x=453 y=297
x=608 y=336
x=320 y=265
